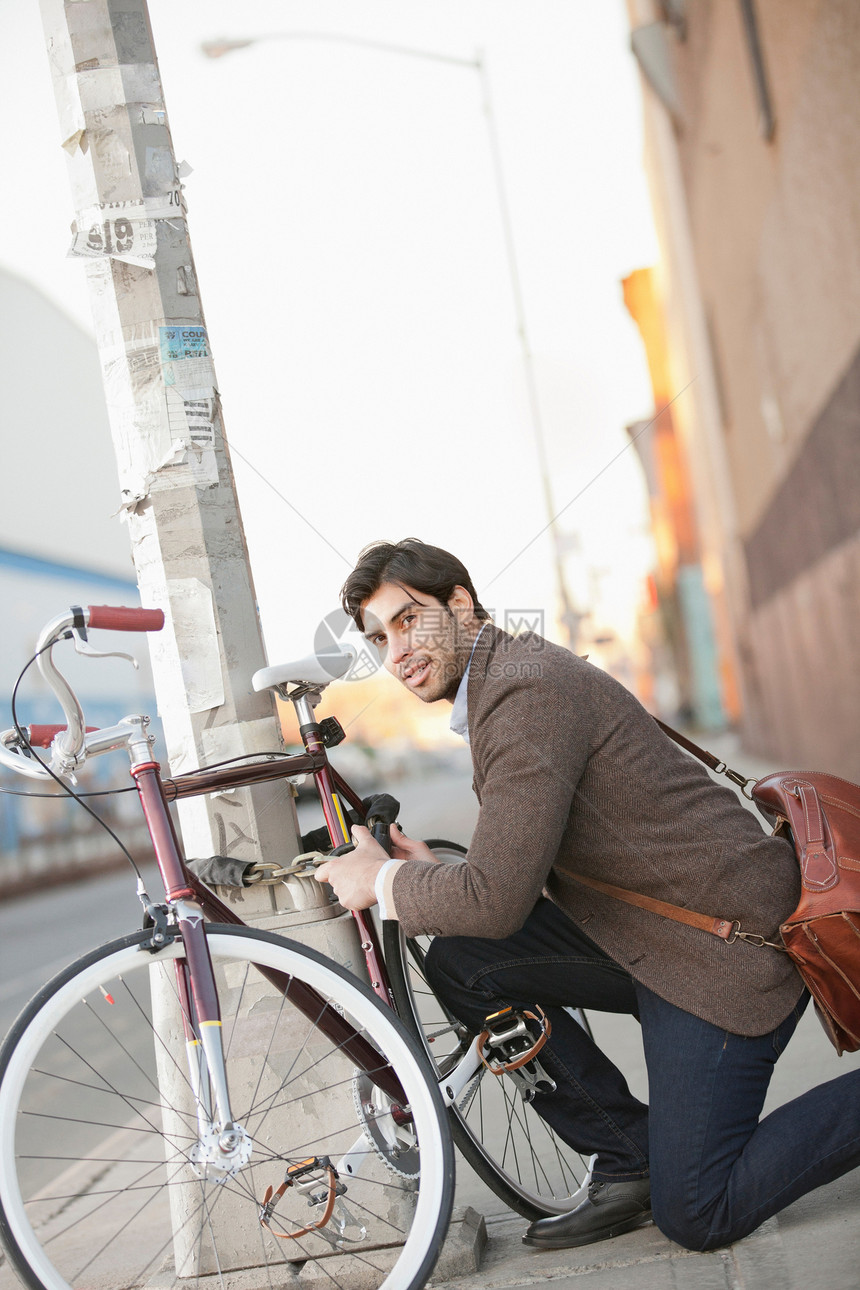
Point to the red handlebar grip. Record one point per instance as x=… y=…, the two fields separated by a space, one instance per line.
x=117 y=618
x=43 y=736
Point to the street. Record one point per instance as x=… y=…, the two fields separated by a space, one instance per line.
x=41 y=933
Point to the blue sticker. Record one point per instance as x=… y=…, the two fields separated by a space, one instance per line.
x=183 y=342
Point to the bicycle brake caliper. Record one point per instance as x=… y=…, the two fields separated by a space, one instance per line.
x=156 y=918
x=508 y=1047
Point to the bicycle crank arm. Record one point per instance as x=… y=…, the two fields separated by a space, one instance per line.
x=351 y=1161
x=458 y=1079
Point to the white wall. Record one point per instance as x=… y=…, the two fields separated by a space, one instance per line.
x=58 y=483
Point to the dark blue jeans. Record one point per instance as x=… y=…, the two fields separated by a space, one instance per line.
x=717 y=1170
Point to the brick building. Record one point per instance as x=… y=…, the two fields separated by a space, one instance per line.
x=752 y=116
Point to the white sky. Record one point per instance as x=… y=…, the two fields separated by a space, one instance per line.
x=349 y=249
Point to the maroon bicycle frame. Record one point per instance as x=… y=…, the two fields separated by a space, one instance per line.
x=180 y=884
x=328 y=782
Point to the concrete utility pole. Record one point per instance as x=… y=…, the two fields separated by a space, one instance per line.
x=186 y=534
x=177 y=491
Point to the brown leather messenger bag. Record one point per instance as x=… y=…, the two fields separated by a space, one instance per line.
x=820 y=815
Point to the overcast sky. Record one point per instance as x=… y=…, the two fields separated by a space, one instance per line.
x=348 y=241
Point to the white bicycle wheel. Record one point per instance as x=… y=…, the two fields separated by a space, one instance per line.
x=104 y=1184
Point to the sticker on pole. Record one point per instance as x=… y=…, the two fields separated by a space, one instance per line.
x=115 y=231
x=186 y=361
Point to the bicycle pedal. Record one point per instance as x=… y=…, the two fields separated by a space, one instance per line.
x=532 y=1079
x=321 y=1197
x=506 y=1043
x=306 y=1168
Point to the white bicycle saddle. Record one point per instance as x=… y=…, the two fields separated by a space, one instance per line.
x=316 y=669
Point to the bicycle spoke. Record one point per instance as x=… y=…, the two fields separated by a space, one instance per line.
x=163 y=1047
x=54 y=1075
x=107 y=1084
x=114 y=1194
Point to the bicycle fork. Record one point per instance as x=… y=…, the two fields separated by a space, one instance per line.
x=223 y=1146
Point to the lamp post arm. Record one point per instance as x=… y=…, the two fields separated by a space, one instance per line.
x=218 y=48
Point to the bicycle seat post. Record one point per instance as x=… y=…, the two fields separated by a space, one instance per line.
x=304 y=700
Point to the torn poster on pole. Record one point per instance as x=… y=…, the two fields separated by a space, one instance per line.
x=189 y=378
x=117 y=231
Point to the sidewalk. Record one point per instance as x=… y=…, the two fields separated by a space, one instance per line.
x=814 y=1243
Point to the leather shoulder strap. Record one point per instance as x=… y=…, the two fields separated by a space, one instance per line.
x=708 y=758
x=714 y=763
x=721 y=927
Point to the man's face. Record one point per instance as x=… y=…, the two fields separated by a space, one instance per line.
x=423 y=642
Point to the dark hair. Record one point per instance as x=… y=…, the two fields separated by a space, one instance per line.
x=426 y=568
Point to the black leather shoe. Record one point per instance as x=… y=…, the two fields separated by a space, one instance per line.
x=608 y=1210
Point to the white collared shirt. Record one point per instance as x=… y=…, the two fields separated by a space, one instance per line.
x=460 y=711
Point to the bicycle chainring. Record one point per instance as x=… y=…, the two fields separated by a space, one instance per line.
x=394 y=1143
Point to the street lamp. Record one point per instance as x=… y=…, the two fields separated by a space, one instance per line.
x=570 y=616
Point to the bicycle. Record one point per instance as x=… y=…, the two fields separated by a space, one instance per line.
x=275 y=1113
x=220 y=1005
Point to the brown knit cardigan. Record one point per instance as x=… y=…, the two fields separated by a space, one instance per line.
x=573 y=775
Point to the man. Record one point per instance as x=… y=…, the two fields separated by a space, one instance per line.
x=574 y=778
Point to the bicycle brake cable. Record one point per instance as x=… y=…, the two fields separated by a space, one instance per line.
x=53 y=797
x=78 y=797
x=112 y=792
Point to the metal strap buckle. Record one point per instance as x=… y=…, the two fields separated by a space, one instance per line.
x=754 y=938
x=723 y=768
x=741 y=780
x=751 y=938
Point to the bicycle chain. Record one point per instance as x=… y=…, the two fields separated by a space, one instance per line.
x=265 y=873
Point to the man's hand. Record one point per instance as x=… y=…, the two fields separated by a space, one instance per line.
x=352 y=876
x=403 y=848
